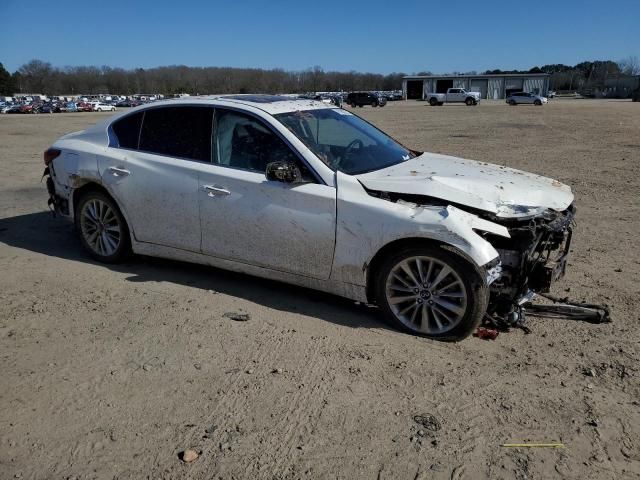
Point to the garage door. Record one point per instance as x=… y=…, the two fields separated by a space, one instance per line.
x=480 y=86
x=512 y=85
x=414 y=89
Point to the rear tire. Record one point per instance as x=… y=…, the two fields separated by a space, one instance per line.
x=102 y=228
x=431 y=291
x=512 y=103
x=433 y=102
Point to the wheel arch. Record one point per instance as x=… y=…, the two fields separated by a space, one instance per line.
x=373 y=267
x=94 y=186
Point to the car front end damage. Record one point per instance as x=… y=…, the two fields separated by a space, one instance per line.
x=530 y=261
x=531 y=258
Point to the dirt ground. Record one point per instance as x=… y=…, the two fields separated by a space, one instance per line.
x=111 y=371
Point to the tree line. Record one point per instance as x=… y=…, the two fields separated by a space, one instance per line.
x=584 y=74
x=38 y=76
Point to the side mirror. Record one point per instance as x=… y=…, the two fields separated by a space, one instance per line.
x=283 y=172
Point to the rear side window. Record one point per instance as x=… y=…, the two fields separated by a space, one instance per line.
x=127 y=130
x=183 y=132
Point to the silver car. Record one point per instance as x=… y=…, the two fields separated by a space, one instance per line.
x=526 y=98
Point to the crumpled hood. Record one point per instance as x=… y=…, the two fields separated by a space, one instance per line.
x=503 y=191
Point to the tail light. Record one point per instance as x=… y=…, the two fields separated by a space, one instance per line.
x=50 y=155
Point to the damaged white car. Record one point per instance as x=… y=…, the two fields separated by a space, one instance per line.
x=313 y=195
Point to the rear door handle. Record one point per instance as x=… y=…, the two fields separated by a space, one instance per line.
x=216 y=190
x=119 y=171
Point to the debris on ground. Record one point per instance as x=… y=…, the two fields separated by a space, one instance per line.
x=428 y=421
x=189 y=455
x=208 y=433
x=238 y=317
x=486 y=333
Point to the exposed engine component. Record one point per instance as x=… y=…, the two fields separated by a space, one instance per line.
x=532 y=259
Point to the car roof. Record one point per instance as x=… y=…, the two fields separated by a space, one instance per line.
x=271 y=104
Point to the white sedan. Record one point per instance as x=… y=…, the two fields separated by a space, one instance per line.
x=103 y=107
x=311 y=194
x=526 y=98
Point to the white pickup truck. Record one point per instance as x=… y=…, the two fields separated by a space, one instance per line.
x=453 y=95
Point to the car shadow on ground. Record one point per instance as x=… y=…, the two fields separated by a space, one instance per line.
x=43 y=234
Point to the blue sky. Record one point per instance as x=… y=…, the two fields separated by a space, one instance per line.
x=373 y=36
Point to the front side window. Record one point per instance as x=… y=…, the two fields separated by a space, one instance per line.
x=344 y=141
x=243 y=141
x=183 y=132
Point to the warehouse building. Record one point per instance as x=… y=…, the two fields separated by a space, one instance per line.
x=490 y=86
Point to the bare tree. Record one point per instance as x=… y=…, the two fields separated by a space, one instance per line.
x=630 y=65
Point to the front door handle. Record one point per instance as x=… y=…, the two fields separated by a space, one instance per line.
x=216 y=190
x=119 y=171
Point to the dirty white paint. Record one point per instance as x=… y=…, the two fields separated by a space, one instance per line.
x=503 y=191
x=320 y=235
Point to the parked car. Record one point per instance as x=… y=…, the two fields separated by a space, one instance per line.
x=84 y=107
x=103 y=107
x=11 y=109
x=360 y=99
x=48 y=108
x=453 y=95
x=519 y=98
x=328 y=99
x=71 y=107
x=551 y=94
x=310 y=194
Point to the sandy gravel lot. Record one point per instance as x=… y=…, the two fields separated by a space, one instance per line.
x=109 y=372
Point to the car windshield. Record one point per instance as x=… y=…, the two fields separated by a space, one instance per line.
x=344 y=141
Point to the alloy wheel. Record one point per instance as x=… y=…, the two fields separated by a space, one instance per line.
x=426 y=295
x=100 y=227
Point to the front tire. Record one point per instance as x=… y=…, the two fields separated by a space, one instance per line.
x=469 y=102
x=431 y=291
x=102 y=228
x=537 y=103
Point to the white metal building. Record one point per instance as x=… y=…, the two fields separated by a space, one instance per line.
x=489 y=86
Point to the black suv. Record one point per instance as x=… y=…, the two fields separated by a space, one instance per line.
x=360 y=99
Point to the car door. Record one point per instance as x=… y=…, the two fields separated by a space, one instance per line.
x=152 y=174
x=453 y=95
x=288 y=227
